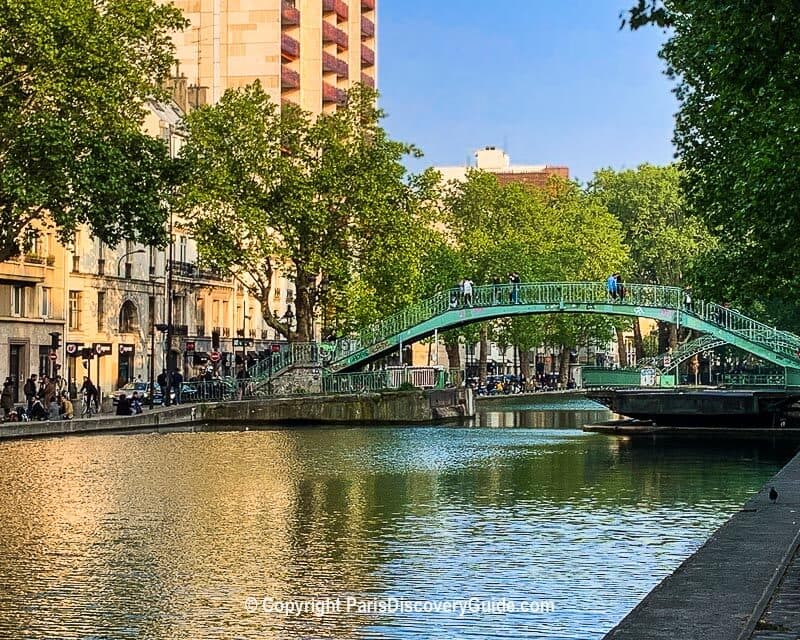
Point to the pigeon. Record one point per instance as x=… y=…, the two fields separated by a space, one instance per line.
x=773 y=495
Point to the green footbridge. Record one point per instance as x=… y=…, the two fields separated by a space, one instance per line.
x=445 y=310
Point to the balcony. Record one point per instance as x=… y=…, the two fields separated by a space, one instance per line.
x=367 y=27
x=290 y=79
x=183 y=269
x=335 y=6
x=332 y=64
x=332 y=94
x=331 y=33
x=367 y=5
x=290 y=48
x=290 y=15
x=367 y=56
x=367 y=81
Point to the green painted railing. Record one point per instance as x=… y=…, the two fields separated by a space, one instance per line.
x=359 y=382
x=447 y=309
x=671 y=360
x=754 y=380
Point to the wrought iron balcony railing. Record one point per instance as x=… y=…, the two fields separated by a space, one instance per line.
x=367 y=56
x=331 y=63
x=290 y=48
x=332 y=33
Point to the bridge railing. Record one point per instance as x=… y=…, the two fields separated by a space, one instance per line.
x=560 y=295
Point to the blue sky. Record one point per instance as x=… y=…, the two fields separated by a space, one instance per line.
x=552 y=81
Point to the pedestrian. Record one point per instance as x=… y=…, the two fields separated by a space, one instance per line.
x=620 y=287
x=176 y=381
x=495 y=290
x=67 y=410
x=461 y=291
x=30 y=390
x=611 y=286
x=242 y=378
x=162 y=381
x=7 y=398
x=514 y=280
x=467 y=289
x=687 y=299
x=49 y=393
x=123 y=405
x=91 y=392
x=136 y=403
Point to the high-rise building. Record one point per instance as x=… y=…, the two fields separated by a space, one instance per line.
x=303 y=51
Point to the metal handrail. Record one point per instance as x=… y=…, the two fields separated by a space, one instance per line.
x=560 y=295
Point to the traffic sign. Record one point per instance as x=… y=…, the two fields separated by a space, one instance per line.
x=53 y=356
x=214 y=356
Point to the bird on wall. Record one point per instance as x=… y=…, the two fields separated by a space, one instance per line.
x=773 y=495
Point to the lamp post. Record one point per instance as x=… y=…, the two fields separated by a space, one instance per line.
x=125 y=255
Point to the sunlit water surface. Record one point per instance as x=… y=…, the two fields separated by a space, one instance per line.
x=167 y=536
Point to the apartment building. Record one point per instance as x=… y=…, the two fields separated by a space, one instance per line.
x=302 y=51
x=497 y=161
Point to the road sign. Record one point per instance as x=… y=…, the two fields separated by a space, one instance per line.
x=275 y=348
x=214 y=356
x=53 y=356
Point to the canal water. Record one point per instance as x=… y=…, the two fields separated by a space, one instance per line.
x=521 y=526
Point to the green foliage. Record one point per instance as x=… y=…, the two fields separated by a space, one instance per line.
x=324 y=201
x=75 y=76
x=664 y=239
x=737 y=133
x=554 y=234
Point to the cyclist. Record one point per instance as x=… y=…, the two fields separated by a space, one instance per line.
x=90 y=396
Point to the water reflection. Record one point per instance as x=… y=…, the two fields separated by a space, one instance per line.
x=165 y=536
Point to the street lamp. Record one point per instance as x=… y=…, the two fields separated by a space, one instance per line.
x=125 y=255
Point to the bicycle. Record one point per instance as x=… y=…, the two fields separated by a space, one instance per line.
x=88 y=405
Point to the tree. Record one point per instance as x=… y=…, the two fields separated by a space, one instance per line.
x=664 y=238
x=735 y=64
x=75 y=76
x=318 y=199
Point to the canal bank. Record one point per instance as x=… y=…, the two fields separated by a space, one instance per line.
x=733 y=586
x=406 y=407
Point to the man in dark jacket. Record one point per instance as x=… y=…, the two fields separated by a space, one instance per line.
x=123 y=405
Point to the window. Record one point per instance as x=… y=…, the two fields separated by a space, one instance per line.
x=101 y=309
x=179 y=310
x=75 y=310
x=76 y=263
x=215 y=317
x=128 y=318
x=182 y=249
x=276 y=295
x=45 y=300
x=18 y=301
x=201 y=317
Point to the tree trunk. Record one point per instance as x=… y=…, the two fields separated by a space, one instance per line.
x=525 y=365
x=484 y=342
x=638 y=342
x=304 y=305
x=673 y=336
x=663 y=336
x=453 y=355
x=622 y=353
x=563 y=365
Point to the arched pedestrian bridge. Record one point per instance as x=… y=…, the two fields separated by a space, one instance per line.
x=446 y=311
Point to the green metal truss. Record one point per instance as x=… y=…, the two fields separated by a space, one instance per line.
x=668 y=361
x=446 y=310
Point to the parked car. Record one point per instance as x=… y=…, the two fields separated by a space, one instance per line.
x=142 y=388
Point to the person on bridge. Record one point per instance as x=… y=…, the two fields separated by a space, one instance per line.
x=611 y=286
x=687 y=298
x=620 y=287
x=466 y=285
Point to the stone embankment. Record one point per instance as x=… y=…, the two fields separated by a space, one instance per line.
x=406 y=407
x=740 y=584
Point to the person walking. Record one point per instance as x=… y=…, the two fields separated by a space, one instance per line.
x=7 y=398
x=611 y=286
x=30 y=391
x=176 y=381
x=514 y=280
x=162 y=380
x=467 y=288
x=687 y=299
x=620 y=287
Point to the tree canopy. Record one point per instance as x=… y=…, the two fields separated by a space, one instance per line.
x=74 y=78
x=322 y=200
x=735 y=64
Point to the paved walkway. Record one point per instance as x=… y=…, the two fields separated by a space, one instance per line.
x=722 y=591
